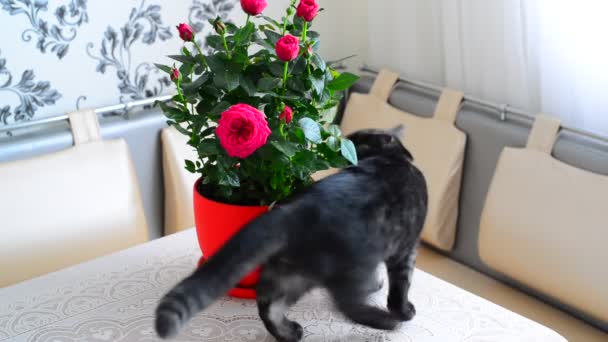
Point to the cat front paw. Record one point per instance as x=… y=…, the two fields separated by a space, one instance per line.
x=406 y=313
x=291 y=332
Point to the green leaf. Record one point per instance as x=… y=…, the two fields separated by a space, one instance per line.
x=299 y=66
x=319 y=62
x=315 y=37
x=287 y=148
x=227 y=79
x=186 y=70
x=211 y=91
x=215 y=42
x=243 y=35
x=299 y=23
x=299 y=135
x=240 y=56
x=183 y=59
x=180 y=129
x=229 y=178
x=276 y=68
x=273 y=37
x=318 y=83
x=311 y=129
x=276 y=180
x=190 y=166
x=165 y=68
x=265 y=44
x=272 y=21
x=194 y=140
x=232 y=80
x=268 y=83
x=333 y=143
x=343 y=82
x=207 y=131
x=247 y=84
x=199 y=69
x=326 y=96
x=263 y=54
x=347 y=148
x=284 y=97
x=193 y=87
x=296 y=84
x=230 y=27
x=220 y=108
x=173 y=112
x=216 y=64
x=207 y=147
x=335 y=130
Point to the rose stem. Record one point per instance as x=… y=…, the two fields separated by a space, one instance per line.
x=179 y=92
x=304 y=31
x=292 y=5
x=200 y=53
x=226 y=45
x=285 y=69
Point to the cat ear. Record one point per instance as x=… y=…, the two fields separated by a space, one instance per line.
x=398 y=131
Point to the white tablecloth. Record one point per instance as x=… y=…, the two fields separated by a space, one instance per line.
x=113 y=299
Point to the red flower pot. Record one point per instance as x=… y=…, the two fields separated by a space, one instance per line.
x=216 y=223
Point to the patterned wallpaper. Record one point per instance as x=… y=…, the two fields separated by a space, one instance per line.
x=58 y=56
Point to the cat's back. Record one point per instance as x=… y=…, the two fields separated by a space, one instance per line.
x=356 y=190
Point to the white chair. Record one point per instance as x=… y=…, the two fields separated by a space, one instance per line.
x=67 y=207
x=179 y=183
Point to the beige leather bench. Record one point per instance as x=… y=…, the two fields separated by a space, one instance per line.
x=67 y=207
x=493 y=290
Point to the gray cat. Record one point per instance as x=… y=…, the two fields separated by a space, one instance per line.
x=333 y=235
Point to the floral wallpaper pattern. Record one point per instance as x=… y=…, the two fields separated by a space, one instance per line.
x=58 y=56
x=203 y=11
x=144 y=25
x=51 y=37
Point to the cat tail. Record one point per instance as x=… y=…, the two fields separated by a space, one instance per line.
x=249 y=248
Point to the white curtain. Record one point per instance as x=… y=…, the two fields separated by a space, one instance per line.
x=539 y=55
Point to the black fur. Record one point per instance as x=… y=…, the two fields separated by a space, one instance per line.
x=333 y=235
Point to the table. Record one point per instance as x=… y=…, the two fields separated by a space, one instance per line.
x=113 y=299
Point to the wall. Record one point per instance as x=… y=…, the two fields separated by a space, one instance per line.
x=62 y=55
x=541 y=56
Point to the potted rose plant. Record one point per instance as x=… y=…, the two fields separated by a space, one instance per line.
x=252 y=108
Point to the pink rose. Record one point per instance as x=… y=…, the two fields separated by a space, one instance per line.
x=253 y=7
x=242 y=129
x=287 y=114
x=287 y=48
x=307 y=9
x=185 y=32
x=174 y=74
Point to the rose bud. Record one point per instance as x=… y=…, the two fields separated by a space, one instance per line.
x=175 y=75
x=287 y=48
x=307 y=9
x=186 y=33
x=287 y=114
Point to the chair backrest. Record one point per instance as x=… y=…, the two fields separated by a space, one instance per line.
x=179 y=183
x=545 y=223
x=70 y=206
x=436 y=144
